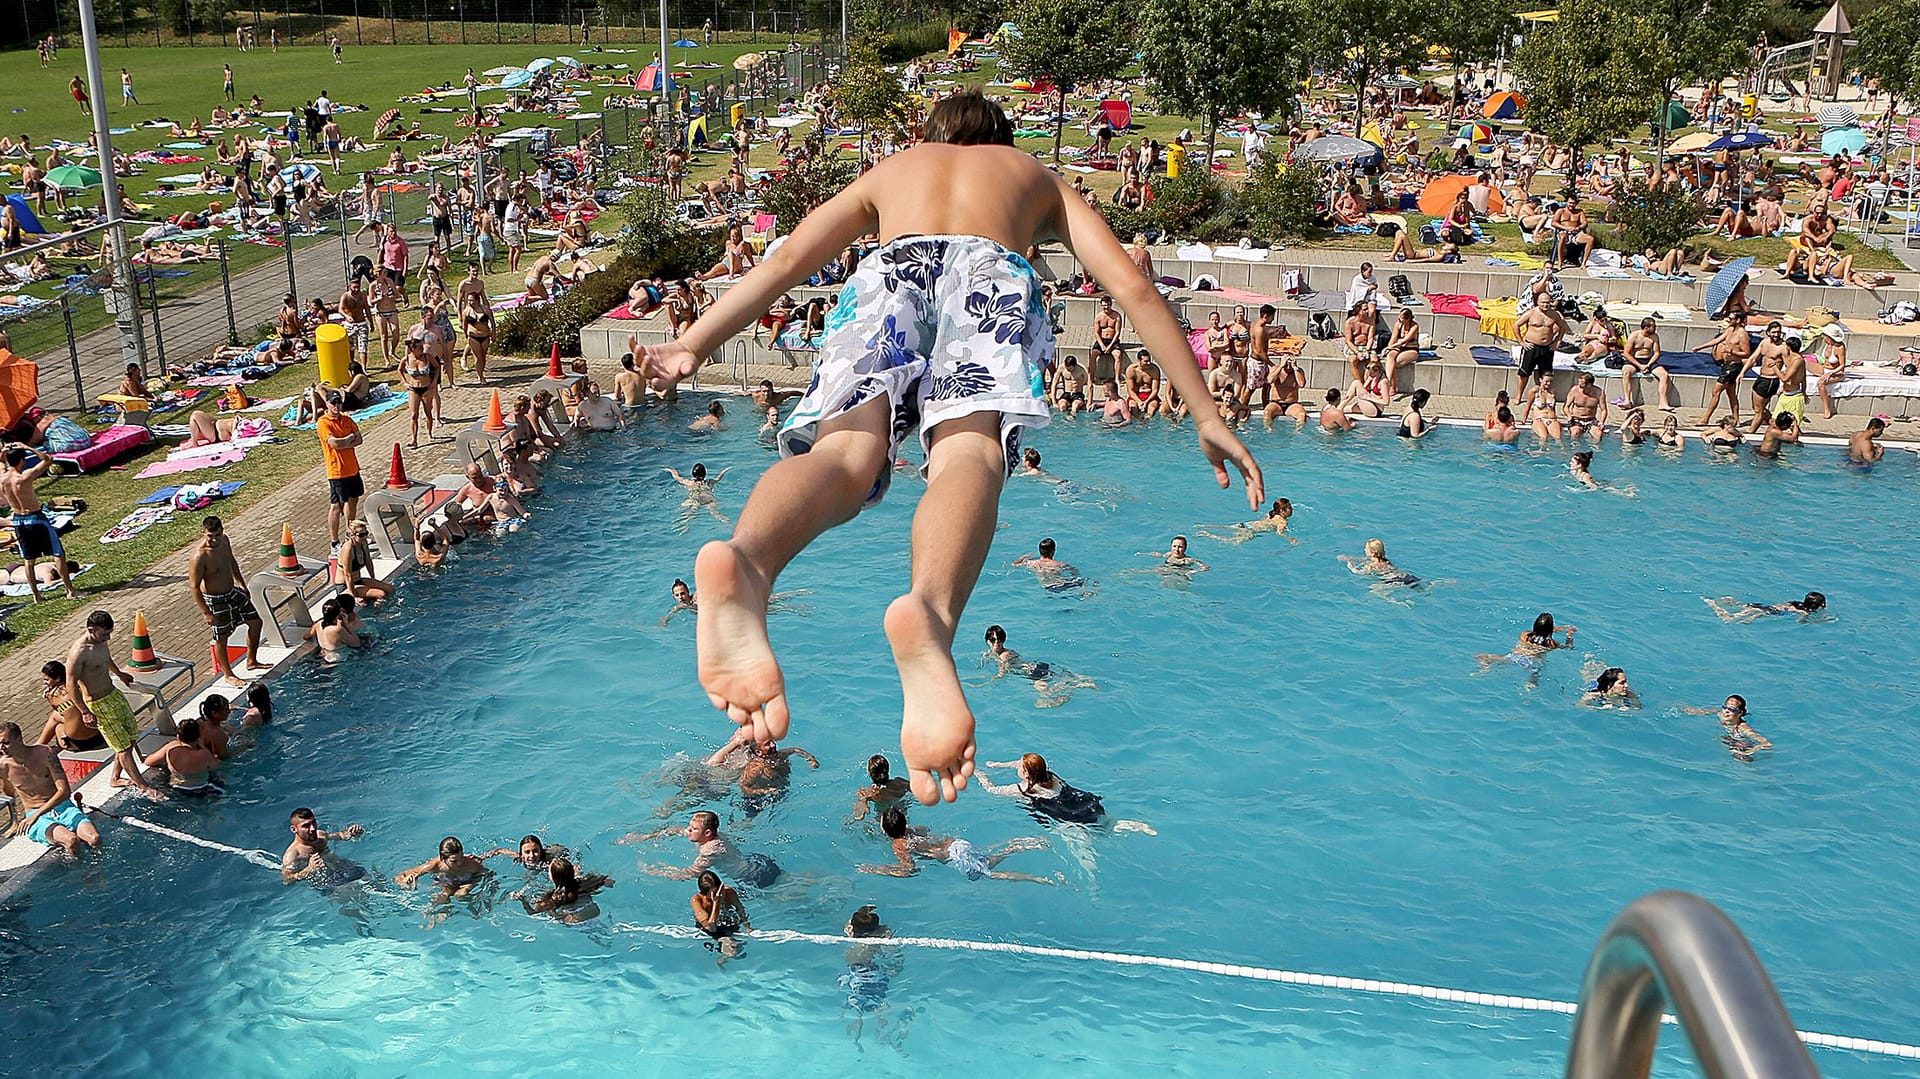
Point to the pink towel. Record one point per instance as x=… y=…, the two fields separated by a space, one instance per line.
x=1450 y=303
x=1240 y=295
x=1197 y=341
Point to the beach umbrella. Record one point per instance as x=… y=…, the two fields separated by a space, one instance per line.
x=517 y=79
x=496 y=72
x=1674 y=116
x=300 y=173
x=1720 y=289
x=686 y=43
x=1338 y=148
x=71 y=177
x=386 y=118
x=1397 y=82
x=1505 y=105
x=1690 y=143
x=1477 y=133
x=1437 y=197
x=1838 y=116
x=1843 y=140
x=540 y=65
x=748 y=61
x=567 y=61
x=1740 y=140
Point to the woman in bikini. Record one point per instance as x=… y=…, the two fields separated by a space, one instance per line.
x=417 y=374
x=1369 y=395
x=1403 y=347
x=735 y=260
x=356 y=565
x=568 y=900
x=718 y=912
x=477 y=321
x=1543 y=411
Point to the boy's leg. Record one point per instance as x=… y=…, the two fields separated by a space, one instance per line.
x=796 y=500
x=951 y=532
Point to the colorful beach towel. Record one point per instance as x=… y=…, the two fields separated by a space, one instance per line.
x=22 y=588
x=376 y=409
x=137 y=522
x=165 y=494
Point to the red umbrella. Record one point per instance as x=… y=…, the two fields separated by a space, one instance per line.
x=386 y=118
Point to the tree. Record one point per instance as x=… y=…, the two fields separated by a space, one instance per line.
x=1587 y=78
x=866 y=91
x=1066 y=42
x=1472 y=31
x=1206 y=63
x=1365 y=38
x=1702 y=41
x=1890 y=49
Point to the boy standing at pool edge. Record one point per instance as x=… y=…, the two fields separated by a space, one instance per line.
x=942 y=326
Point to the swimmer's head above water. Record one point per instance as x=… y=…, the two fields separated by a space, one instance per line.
x=1815 y=601
x=1376 y=550
x=996 y=635
x=1046 y=548
x=878 y=769
x=1282 y=508
x=699 y=472
x=866 y=923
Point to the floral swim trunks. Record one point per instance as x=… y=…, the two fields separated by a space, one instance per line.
x=945 y=327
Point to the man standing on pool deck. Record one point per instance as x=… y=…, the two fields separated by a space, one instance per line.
x=1540 y=329
x=33 y=534
x=338 y=436
x=945 y=325
x=220 y=589
x=90 y=674
x=32 y=776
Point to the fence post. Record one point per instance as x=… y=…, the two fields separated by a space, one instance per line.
x=346 y=253
x=73 y=352
x=496 y=22
x=286 y=237
x=533 y=22
x=226 y=289
x=153 y=301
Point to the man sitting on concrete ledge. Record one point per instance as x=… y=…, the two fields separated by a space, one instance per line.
x=33 y=776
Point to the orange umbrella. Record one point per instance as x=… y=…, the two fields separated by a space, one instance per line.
x=1505 y=105
x=1438 y=196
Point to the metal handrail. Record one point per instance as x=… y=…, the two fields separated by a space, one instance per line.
x=1675 y=948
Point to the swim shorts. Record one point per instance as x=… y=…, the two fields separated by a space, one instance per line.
x=866 y=985
x=1730 y=371
x=114 y=716
x=1795 y=403
x=945 y=327
x=231 y=610
x=1765 y=386
x=965 y=857
x=66 y=815
x=1536 y=360
x=35 y=537
x=345 y=489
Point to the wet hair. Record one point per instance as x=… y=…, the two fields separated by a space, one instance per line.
x=878 y=768
x=995 y=633
x=1031 y=457
x=1815 y=601
x=1608 y=678
x=699 y=472
x=1179 y=539
x=893 y=822
x=1420 y=398
x=678 y=583
x=1583 y=459
x=708 y=819
x=1034 y=771
x=566 y=883
x=1047 y=548
x=100 y=620
x=708 y=882
x=303 y=813
x=330 y=612
x=454 y=842
x=1333 y=397
x=1282 y=507
x=214 y=703
x=1876 y=424
x=1376 y=548
x=1504 y=414
x=1542 y=626
x=189 y=731
x=968 y=119
x=716 y=409
x=1784 y=421
x=260 y=700
x=864 y=922
x=1741 y=701
x=54 y=669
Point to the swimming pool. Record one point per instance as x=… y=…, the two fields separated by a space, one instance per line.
x=1334 y=787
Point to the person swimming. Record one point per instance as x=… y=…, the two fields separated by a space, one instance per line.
x=884 y=793
x=1735 y=732
x=1053 y=686
x=456 y=871
x=569 y=900
x=1376 y=564
x=1531 y=648
x=1275 y=522
x=869 y=973
x=1054 y=575
x=1733 y=610
x=1610 y=690
x=531 y=854
x=1050 y=799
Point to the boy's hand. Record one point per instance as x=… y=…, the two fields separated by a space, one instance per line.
x=1220 y=446
x=667 y=363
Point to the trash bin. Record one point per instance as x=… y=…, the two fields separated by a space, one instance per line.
x=330 y=342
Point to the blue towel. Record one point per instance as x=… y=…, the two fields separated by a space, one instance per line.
x=226 y=488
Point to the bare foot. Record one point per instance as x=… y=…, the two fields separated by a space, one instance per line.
x=737 y=667
x=936 y=728
x=235 y=681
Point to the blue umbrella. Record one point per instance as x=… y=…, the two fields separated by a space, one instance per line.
x=1720 y=289
x=517 y=79
x=1843 y=140
x=300 y=173
x=1740 y=140
x=686 y=43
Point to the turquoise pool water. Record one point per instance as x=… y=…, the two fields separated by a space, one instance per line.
x=1335 y=788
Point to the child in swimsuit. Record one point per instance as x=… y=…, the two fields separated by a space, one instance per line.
x=941 y=328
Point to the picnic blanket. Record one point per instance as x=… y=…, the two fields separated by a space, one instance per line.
x=166 y=494
x=1679 y=363
x=392 y=401
x=24 y=589
x=137 y=522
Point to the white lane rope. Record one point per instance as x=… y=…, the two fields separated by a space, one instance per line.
x=1235 y=970
x=258 y=857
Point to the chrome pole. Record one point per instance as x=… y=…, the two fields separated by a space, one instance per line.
x=133 y=342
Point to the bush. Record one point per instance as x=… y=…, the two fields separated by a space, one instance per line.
x=906 y=42
x=1280 y=203
x=1192 y=205
x=802 y=188
x=1659 y=218
x=531 y=330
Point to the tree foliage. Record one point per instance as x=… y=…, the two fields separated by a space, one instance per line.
x=1890 y=47
x=1279 y=198
x=866 y=91
x=1206 y=63
x=1066 y=42
x=1654 y=217
x=1364 y=38
x=1590 y=76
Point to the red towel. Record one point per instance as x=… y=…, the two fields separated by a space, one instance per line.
x=1450 y=303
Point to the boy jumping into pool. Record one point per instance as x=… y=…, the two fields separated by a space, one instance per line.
x=942 y=326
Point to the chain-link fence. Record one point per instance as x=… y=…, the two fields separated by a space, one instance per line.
x=267 y=25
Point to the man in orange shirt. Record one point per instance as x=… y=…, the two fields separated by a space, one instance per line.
x=338 y=436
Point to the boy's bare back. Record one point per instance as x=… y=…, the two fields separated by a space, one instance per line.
x=937 y=189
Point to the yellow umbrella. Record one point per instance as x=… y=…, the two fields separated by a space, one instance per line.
x=748 y=60
x=1687 y=144
x=1543 y=15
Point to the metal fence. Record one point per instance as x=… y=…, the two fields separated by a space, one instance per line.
x=443 y=22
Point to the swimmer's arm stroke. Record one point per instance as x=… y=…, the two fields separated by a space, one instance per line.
x=1087 y=236
x=818 y=237
x=902 y=867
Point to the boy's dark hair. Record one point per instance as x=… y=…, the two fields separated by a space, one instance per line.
x=968 y=119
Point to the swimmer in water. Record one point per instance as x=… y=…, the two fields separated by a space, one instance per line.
x=716 y=852
x=1052 y=686
x=532 y=854
x=1054 y=575
x=1737 y=734
x=1052 y=800
x=1030 y=466
x=1376 y=564
x=718 y=912
x=1733 y=610
x=310 y=855
x=1531 y=648
x=1175 y=557
x=1275 y=522
x=683 y=600
x=883 y=793
x=1610 y=690
x=766 y=775
x=569 y=899
x=700 y=496
x=1580 y=467
x=870 y=970
x=454 y=868
x=912 y=841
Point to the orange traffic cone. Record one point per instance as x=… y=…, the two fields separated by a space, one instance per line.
x=143 y=657
x=289 y=562
x=397 y=472
x=553 y=363
x=496 y=420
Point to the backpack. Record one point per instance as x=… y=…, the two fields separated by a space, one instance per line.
x=1400 y=288
x=1321 y=327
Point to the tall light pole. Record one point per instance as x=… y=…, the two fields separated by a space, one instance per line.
x=666 y=81
x=133 y=341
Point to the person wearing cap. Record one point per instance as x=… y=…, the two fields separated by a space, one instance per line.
x=1832 y=361
x=339 y=436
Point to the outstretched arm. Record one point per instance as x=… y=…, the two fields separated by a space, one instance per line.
x=1086 y=234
